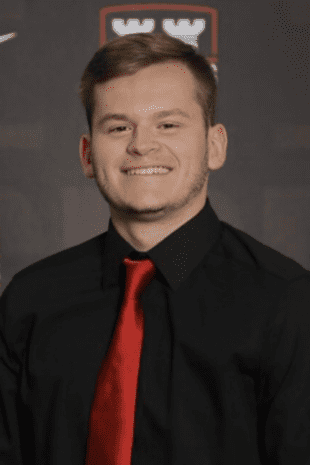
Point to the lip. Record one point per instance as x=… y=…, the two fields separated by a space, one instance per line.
x=146 y=168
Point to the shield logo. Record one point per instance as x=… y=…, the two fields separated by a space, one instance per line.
x=196 y=25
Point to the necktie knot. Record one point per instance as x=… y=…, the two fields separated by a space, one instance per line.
x=139 y=274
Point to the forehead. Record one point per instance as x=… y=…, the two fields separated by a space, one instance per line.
x=169 y=81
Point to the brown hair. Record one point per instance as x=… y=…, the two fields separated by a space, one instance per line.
x=129 y=54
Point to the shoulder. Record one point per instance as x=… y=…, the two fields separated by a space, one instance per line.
x=242 y=247
x=59 y=268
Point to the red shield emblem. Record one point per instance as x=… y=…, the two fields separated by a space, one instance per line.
x=196 y=25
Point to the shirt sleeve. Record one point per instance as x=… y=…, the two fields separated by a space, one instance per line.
x=10 y=448
x=284 y=397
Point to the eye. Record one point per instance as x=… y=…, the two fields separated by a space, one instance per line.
x=121 y=127
x=170 y=124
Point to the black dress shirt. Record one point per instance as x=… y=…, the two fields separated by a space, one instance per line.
x=225 y=368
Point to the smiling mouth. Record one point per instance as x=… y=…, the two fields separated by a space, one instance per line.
x=147 y=171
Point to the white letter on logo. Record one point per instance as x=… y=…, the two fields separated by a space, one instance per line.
x=133 y=26
x=184 y=30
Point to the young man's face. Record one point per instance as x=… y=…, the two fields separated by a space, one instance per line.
x=146 y=140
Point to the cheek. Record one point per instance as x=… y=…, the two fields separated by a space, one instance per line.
x=101 y=151
x=106 y=146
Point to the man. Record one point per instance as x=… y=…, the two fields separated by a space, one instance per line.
x=224 y=376
x=145 y=209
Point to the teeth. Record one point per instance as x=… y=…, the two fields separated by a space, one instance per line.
x=156 y=170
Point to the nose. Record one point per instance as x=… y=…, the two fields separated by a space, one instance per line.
x=142 y=141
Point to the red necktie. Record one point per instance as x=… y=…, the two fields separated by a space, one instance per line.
x=111 y=424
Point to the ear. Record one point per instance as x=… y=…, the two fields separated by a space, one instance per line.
x=217 y=144
x=85 y=155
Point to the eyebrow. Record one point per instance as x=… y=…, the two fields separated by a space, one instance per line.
x=159 y=114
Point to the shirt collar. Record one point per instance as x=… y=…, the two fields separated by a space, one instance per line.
x=175 y=257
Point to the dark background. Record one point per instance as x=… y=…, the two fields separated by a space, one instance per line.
x=46 y=203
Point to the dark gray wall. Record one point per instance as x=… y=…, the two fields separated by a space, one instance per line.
x=46 y=203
